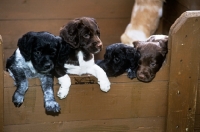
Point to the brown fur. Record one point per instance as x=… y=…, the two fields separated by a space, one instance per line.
x=152 y=55
x=144 y=20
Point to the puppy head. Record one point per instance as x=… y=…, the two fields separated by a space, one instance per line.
x=153 y=53
x=82 y=33
x=117 y=59
x=40 y=48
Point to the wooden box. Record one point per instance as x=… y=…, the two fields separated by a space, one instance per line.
x=171 y=102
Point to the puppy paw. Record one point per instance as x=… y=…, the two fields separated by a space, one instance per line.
x=104 y=85
x=52 y=106
x=131 y=74
x=17 y=99
x=62 y=92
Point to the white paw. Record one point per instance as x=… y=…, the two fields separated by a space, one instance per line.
x=104 y=85
x=62 y=92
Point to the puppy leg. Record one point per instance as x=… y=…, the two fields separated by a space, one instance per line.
x=99 y=73
x=65 y=83
x=22 y=85
x=49 y=101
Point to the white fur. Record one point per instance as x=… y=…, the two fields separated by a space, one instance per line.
x=65 y=82
x=85 y=67
x=137 y=34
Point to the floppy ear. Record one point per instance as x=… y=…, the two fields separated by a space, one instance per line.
x=164 y=45
x=25 y=44
x=136 y=44
x=69 y=33
x=108 y=53
x=133 y=56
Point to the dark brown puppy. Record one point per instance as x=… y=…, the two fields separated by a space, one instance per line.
x=83 y=35
x=152 y=55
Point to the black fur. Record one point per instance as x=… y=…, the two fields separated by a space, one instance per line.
x=47 y=53
x=118 y=59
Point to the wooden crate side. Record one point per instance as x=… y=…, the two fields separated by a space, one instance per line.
x=88 y=102
x=150 y=124
x=1 y=85
x=64 y=9
x=184 y=69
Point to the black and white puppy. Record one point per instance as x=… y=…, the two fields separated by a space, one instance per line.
x=118 y=59
x=153 y=53
x=35 y=58
x=83 y=35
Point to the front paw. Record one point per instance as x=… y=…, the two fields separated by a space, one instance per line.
x=62 y=92
x=104 y=85
x=131 y=74
x=52 y=106
x=17 y=99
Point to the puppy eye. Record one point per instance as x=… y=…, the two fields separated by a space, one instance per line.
x=153 y=64
x=38 y=53
x=86 y=35
x=116 y=59
x=98 y=33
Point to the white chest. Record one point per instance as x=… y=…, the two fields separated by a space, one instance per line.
x=83 y=67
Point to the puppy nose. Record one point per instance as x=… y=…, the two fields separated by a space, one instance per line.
x=47 y=65
x=99 y=44
x=141 y=76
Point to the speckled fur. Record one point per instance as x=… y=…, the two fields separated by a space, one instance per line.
x=20 y=70
x=36 y=57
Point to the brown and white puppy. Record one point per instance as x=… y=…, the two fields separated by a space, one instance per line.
x=144 y=20
x=152 y=55
x=83 y=35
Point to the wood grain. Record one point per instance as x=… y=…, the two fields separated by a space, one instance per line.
x=152 y=124
x=1 y=86
x=64 y=9
x=184 y=71
x=88 y=102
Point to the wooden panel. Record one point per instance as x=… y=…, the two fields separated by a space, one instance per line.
x=64 y=9
x=197 y=114
x=184 y=69
x=88 y=102
x=154 y=124
x=1 y=85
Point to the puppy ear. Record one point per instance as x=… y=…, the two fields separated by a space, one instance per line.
x=108 y=53
x=69 y=33
x=136 y=44
x=164 y=45
x=25 y=44
x=133 y=56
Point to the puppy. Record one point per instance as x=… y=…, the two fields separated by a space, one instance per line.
x=35 y=57
x=144 y=20
x=83 y=35
x=153 y=53
x=118 y=59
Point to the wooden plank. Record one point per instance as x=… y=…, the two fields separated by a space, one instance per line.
x=64 y=9
x=198 y=100
x=184 y=69
x=88 y=102
x=1 y=85
x=154 y=124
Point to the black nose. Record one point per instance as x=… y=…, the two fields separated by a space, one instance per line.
x=47 y=65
